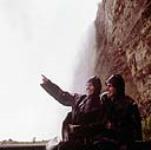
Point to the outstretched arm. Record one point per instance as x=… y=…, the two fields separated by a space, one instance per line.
x=55 y=91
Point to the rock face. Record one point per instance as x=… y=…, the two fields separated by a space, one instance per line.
x=123 y=32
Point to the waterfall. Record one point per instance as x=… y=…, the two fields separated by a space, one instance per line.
x=86 y=59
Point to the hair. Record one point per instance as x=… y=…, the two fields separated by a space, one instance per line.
x=96 y=83
x=118 y=82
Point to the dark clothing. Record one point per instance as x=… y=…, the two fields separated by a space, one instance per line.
x=65 y=127
x=93 y=116
x=124 y=118
x=74 y=145
x=87 y=112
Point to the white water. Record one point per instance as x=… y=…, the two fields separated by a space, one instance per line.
x=84 y=69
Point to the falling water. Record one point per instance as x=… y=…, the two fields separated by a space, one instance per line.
x=86 y=59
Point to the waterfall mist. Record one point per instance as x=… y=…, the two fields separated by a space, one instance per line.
x=86 y=59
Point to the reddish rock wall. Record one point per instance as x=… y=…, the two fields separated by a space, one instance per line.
x=124 y=44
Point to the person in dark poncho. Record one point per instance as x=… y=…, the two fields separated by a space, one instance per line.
x=84 y=122
x=123 y=117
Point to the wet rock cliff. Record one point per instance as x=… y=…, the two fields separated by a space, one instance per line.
x=124 y=44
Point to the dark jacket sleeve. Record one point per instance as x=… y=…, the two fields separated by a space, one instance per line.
x=65 y=127
x=136 y=120
x=61 y=96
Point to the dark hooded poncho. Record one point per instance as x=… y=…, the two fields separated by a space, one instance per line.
x=122 y=113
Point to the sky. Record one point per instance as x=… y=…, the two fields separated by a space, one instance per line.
x=38 y=37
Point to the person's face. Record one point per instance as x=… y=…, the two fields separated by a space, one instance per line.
x=90 y=88
x=111 y=90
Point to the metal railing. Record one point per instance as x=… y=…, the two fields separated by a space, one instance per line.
x=23 y=146
x=134 y=146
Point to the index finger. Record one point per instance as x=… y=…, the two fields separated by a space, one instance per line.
x=43 y=76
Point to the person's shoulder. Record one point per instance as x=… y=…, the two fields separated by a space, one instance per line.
x=78 y=96
x=130 y=100
x=103 y=97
